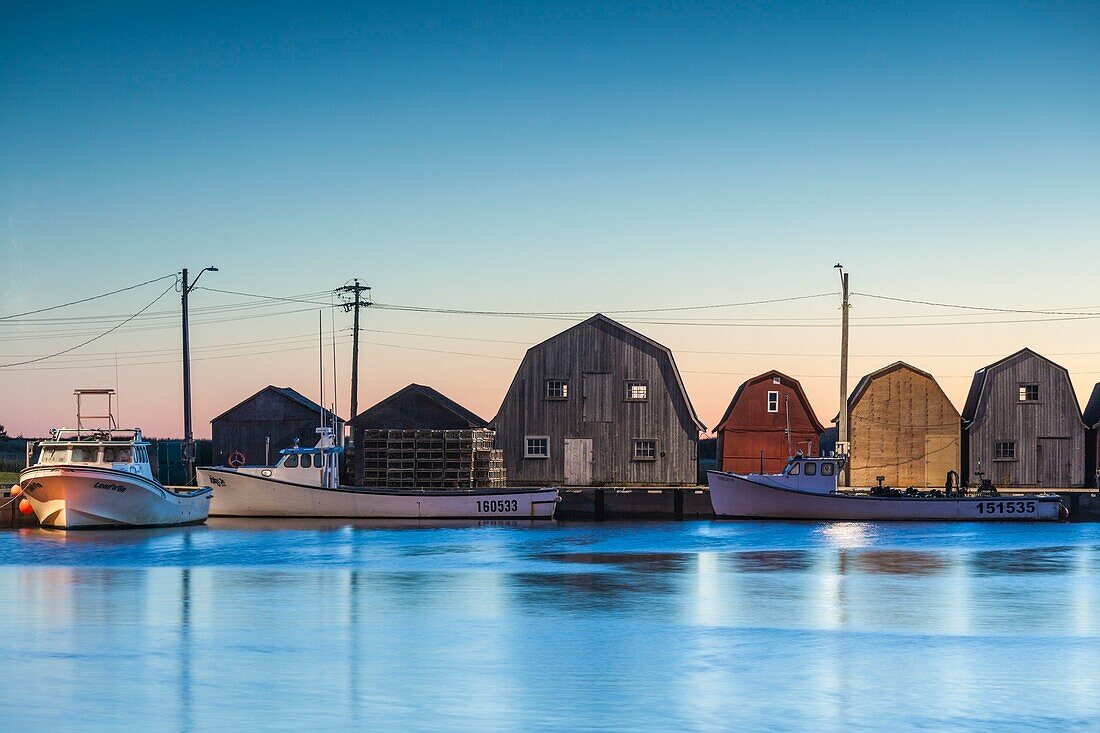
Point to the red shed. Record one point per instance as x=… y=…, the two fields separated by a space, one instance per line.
x=752 y=436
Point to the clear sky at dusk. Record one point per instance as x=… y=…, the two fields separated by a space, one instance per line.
x=551 y=158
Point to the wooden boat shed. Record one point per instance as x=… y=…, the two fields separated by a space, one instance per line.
x=903 y=428
x=1022 y=424
x=1092 y=444
x=768 y=420
x=261 y=425
x=598 y=404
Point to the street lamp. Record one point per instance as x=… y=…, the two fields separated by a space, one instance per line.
x=188 y=436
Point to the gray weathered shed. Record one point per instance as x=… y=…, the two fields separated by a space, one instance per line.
x=278 y=414
x=1022 y=424
x=417 y=407
x=1092 y=443
x=598 y=404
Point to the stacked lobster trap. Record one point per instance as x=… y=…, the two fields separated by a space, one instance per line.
x=431 y=459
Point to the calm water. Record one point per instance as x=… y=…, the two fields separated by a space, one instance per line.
x=615 y=627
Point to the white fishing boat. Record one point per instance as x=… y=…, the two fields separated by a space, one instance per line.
x=89 y=477
x=808 y=489
x=305 y=483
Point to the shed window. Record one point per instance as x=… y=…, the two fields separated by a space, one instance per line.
x=291 y=461
x=1004 y=451
x=538 y=446
x=557 y=389
x=637 y=391
x=1029 y=393
x=777 y=380
x=773 y=401
x=645 y=449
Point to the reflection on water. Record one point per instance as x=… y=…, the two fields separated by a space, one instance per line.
x=548 y=627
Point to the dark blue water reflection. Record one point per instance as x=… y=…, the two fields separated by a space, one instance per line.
x=680 y=626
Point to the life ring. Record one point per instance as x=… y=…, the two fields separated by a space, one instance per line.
x=236 y=459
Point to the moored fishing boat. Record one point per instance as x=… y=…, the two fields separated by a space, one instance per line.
x=89 y=477
x=807 y=489
x=305 y=483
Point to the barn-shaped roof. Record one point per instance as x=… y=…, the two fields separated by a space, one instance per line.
x=977 y=385
x=1092 y=409
x=867 y=379
x=791 y=381
x=288 y=393
x=600 y=318
x=417 y=407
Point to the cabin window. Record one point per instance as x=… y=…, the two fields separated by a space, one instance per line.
x=109 y=455
x=557 y=389
x=1004 y=450
x=773 y=401
x=1029 y=393
x=54 y=455
x=538 y=446
x=637 y=391
x=794 y=469
x=291 y=461
x=827 y=469
x=123 y=455
x=85 y=454
x=811 y=469
x=645 y=449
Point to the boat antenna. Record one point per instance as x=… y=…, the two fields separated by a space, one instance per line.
x=321 y=362
x=335 y=384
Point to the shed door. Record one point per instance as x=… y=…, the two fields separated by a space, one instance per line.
x=1053 y=463
x=597 y=397
x=578 y=461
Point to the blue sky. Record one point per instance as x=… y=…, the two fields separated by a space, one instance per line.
x=552 y=157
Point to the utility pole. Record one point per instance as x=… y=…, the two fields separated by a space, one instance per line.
x=355 y=304
x=842 y=414
x=188 y=436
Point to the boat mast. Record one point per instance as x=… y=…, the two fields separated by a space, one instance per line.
x=842 y=413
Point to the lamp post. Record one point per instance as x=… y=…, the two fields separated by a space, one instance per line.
x=188 y=436
x=842 y=414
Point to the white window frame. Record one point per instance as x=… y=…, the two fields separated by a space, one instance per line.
x=527 y=446
x=777 y=380
x=564 y=389
x=775 y=394
x=635 y=456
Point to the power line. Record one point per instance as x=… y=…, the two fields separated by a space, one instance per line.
x=95 y=338
x=85 y=300
x=981 y=308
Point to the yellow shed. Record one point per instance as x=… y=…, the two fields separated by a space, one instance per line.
x=903 y=428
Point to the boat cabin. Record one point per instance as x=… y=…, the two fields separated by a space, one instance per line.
x=121 y=450
x=316 y=466
x=802 y=473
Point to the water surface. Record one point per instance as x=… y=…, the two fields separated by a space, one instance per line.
x=692 y=626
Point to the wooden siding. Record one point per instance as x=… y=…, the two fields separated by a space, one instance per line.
x=751 y=439
x=1092 y=439
x=598 y=358
x=903 y=428
x=267 y=414
x=1049 y=434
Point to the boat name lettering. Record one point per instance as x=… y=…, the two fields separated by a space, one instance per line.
x=110 y=487
x=1006 y=507
x=498 y=505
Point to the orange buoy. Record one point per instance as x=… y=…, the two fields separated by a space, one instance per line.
x=25 y=507
x=16 y=491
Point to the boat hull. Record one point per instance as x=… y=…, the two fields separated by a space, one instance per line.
x=244 y=495
x=82 y=497
x=735 y=497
